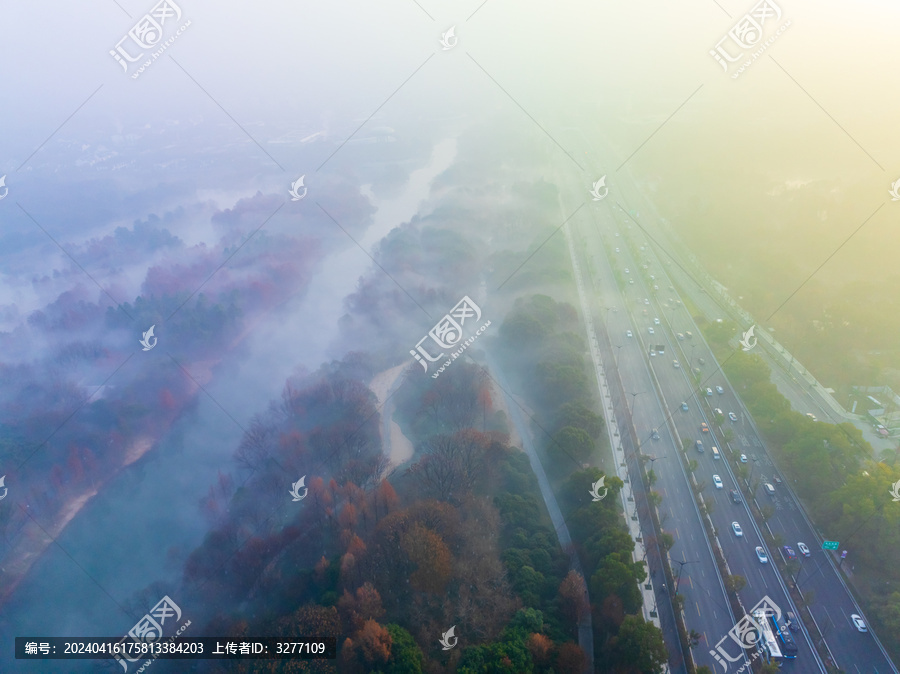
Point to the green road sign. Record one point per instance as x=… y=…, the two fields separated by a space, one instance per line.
x=830 y=545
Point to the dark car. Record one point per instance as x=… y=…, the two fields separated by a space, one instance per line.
x=789 y=552
x=735 y=496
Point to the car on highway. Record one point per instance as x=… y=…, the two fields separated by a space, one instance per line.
x=631 y=281
x=655 y=321
x=680 y=337
x=719 y=412
x=718 y=482
x=684 y=407
x=708 y=391
x=617 y=250
x=617 y=234
x=700 y=446
x=720 y=390
x=628 y=333
x=735 y=496
x=689 y=335
x=704 y=428
x=655 y=434
x=761 y=555
x=650 y=330
x=676 y=364
x=776 y=479
x=811 y=416
x=803 y=549
x=743 y=458
x=701 y=361
x=859 y=623
x=789 y=552
x=737 y=529
x=646 y=301
x=652 y=351
x=732 y=416
x=627 y=270
x=770 y=490
x=656 y=287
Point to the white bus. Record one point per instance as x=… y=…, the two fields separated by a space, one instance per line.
x=767 y=643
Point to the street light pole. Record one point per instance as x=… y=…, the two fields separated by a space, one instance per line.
x=633 y=396
x=680 y=568
x=618 y=346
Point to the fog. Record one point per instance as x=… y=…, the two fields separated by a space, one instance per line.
x=163 y=200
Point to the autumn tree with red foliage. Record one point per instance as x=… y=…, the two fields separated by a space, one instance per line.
x=572 y=597
x=355 y=609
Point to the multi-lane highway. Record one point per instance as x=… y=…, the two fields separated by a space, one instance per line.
x=706 y=607
x=832 y=604
x=654 y=390
x=624 y=307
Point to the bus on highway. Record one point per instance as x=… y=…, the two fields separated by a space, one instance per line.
x=767 y=643
x=786 y=641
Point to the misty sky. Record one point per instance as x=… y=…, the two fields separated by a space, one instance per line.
x=252 y=96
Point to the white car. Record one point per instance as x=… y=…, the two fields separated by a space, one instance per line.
x=803 y=549
x=709 y=392
x=655 y=321
x=676 y=364
x=646 y=301
x=719 y=412
x=732 y=416
x=737 y=529
x=628 y=333
x=650 y=330
x=627 y=271
x=743 y=458
x=631 y=281
x=718 y=482
x=761 y=555
x=617 y=250
x=720 y=390
x=859 y=623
